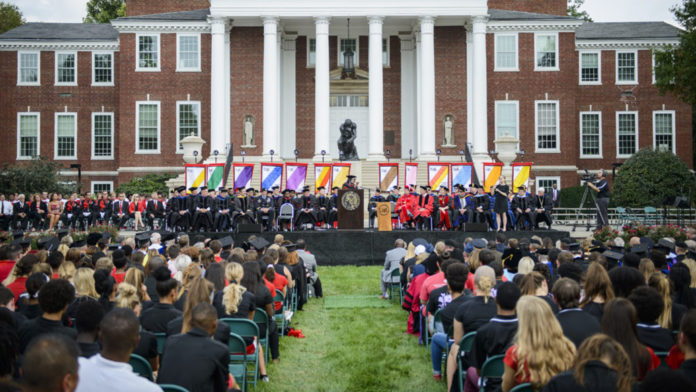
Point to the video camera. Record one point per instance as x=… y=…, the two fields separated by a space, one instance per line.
x=589 y=177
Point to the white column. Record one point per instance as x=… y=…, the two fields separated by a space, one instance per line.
x=469 y=85
x=419 y=90
x=321 y=89
x=270 y=86
x=217 y=83
x=408 y=95
x=228 y=92
x=376 y=91
x=480 y=94
x=427 y=69
x=287 y=125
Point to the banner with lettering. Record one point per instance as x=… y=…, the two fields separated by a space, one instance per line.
x=491 y=174
x=295 y=176
x=462 y=174
x=520 y=175
x=339 y=173
x=411 y=173
x=322 y=176
x=271 y=175
x=438 y=174
x=216 y=175
x=194 y=175
x=242 y=174
x=388 y=176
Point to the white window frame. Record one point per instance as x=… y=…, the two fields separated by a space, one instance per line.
x=495 y=118
x=545 y=69
x=94 y=71
x=356 y=59
x=498 y=68
x=55 y=136
x=674 y=130
x=92 y=141
x=536 y=128
x=635 y=67
x=19 y=68
x=179 y=67
x=109 y=183
x=538 y=179
x=309 y=65
x=137 y=52
x=137 y=127
x=635 y=113
x=38 y=134
x=586 y=156
x=599 y=67
x=55 y=67
x=385 y=42
x=178 y=130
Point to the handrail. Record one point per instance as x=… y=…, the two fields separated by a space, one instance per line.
x=228 y=162
x=469 y=158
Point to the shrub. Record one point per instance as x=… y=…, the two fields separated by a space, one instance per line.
x=146 y=185
x=34 y=176
x=572 y=196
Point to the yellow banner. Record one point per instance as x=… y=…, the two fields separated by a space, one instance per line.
x=492 y=175
x=340 y=175
x=520 y=176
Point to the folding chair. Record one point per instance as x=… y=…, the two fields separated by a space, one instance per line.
x=651 y=215
x=663 y=356
x=395 y=285
x=526 y=387
x=286 y=213
x=141 y=366
x=261 y=318
x=279 y=315
x=492 y=368
x=172 y=388
x=238 y=360
x=161 y=339
x=246 y=329
x=464 y=347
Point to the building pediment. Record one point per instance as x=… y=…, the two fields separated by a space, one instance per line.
x=349 y=86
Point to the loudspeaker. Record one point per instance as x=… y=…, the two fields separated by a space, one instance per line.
x=681 y=202
x=248 y=228
x=477 y=227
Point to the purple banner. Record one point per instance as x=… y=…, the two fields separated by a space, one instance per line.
x=296 y=177
x=242 y=176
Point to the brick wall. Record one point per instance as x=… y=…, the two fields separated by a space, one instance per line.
x=555 y=7
x=246 y=69
x=148 y=7
x=450 y=84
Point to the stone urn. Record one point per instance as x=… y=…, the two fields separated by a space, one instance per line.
x=506 y=148
x=192 y=147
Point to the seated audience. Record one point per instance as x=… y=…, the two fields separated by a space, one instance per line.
x=534 y=284
x=687 y=344
x=128 y=298
x=200 y=291
x=155 y=318
x=577 y=325
x=680 y=276
x=672 y=314
x=87 y=319
x=50 y=364
x=665 y=380
x=649 y=306
x=598 y=290
x=624 y=280
x=28 y=304
x=54 y=298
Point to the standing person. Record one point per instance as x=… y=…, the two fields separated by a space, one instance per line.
x=556 y=195
x=351 y=183
x=501 y=193
x=333 y=207
x=603 y=196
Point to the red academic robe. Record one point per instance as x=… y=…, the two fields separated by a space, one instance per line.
x=424 y=206
x=444 y=201
x=405 y=207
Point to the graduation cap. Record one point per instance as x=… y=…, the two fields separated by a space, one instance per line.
x=479 y=243
x=250 y=190
x=419 y=241
x=210 y=189
x=78 y=244
x=681 y=244
x=574 y=247
x=142 y=238
x=610 y=254
x=93 y=238
x=291 y=247
x=335 y=188
x=305 y=189
x=451 y=243
x=444 y=187
x=23 y=242
x=664 y=242
x=193 y=188
x=320 y=188
x=274 y=187
x=198 y=238
x=535 y=241
x=106 y=235
x=180 y=188
x=543 y=251
x=260 y=243
x=597 y=246
x=226 y=242
x=424 y=187
x=167 y=235
x=473 y=185
x=511 y=257
x=17 y=235
x=49 y=243
x=639 y=249
x=112 y=247
x=617 y=249
x=61 y=233
x=350 y=176
x=377 y=190
x=647 y=242
x=264 y=190
x=570 y=270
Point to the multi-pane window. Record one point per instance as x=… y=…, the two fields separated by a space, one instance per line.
x=28 y=68
x=626 y=67
x=102 y=186
x=66 y=68
x=347 y=44
x=189 y=53
x=312 y=52
x=188 y=120
x=590 y=134
x=547 y=183
x=547 y=126
x=102 y=135
x=506 y=52
x=66 y=136
x=663 y=126
x=148 y=115
x=506 y=118
x=349 y=101
x=626 y=133
x=148 y=52
x=590 y=68
x=102 y=68
x=546 y=48
x=28 y=135
x=385 y=52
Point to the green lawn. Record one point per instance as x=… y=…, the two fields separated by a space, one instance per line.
x=351 y=349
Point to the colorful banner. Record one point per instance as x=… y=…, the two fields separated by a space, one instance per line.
x=520 y=175
x=491 y=174
x=462 y=174
x=295 y=176
x=438 y=174
x=242 y=174
x=194 y=176
x=339 y=173
x=388 y=176
x=411 y=174
x=322 y=176
x=216 y=175
x=271 y=175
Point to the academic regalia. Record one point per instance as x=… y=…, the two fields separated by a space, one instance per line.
x=443 y=215
x=223 y=213
x=322 y=206
x=333 y=209
x=203 y=215
x=265 y=202
x=482 y=201
x=372 y=208
x=423 y=208
x=521 y=218
x=181 y=212
x=308 y=216
x=155 y=210
x=405 y=207
x=119 y=213
x=243 y=209
x=460 y=203
x=543 y=202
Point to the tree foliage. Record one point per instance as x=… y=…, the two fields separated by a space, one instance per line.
x=103 y=11
x=37 y=175
x=146 y=185
x=10 y=17
x=675 y=66
x=574 y=10
x=650 y=177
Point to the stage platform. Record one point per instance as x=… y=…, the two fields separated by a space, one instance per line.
x=365 y=247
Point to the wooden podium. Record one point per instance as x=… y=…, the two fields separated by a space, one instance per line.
x=384 y=220
x=351 y=212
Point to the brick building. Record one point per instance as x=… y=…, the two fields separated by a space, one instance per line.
x=267 y=75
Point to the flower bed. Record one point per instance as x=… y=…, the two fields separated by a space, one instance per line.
x=6 y=237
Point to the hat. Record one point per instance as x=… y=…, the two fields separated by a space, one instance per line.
x=377 y=190
x=142 y=238
x=570 y=270
x=291 y=247
x=418 y=270
x=226 y=242
x=610 y=254
x=239 y=188
x=479 y=243
x=574 y=247
x=473 y=186
x=647 y=242
x=444 y=187
x=18 y=234
x=264 y=190
x=424 y=187
x=640 y=249
x=535 y=241
x=617 y=249
x=451 y=243
x=193 y=188
x=419 y=241
x=61 y=233
x=112 y=247
x=23 y=242
x=305 y=189
x=274 y=187
x=78 y=244
x=167 y=235
x=259 y=243
x=222 y=189
x=419 y=249
x=334 y=188
x=180 y=188
x=511 y=258
x=49 y=243
x=250 y=189
x=666 y=243
x=681 y=244
x=350 y=176
x=93 y=238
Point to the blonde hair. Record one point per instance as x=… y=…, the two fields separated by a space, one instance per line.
x=67 y=270
x=647 y=268
x=473 y=260
x=62 y=248
x=278 y=239
x=192 y=272
x=691 y=263
x=542 y=349
x=410 y=251
x=233 y=292
x=484 y=279
x=525 y=266
x=199 y=291
x=661 y=283
x=439 y=248
x=104 y=263
x=84 y=283
x=127 y=296
x=136 y=277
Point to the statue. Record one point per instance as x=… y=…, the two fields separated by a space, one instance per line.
x=346 y=143
x=448 y=131
x=248 y=136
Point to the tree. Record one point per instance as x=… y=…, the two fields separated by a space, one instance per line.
x=675 y=66
x=146 y=185
x=651 y=177
x=37 y=175
x=103 y=11
x=10 y=17
x=574 y=10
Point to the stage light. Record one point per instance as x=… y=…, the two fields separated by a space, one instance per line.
x=271 y=153
x=243 y=155
x=388 y=153
x=323 y=154
x=461 y=155
x=296 y=152
x=438 y=152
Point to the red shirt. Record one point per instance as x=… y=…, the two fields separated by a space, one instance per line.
x=511 y=361
x=5 y=268
x=119 y=276
x=431 y=283
x=18 y=286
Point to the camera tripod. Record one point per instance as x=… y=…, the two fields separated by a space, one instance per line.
x=587 y=221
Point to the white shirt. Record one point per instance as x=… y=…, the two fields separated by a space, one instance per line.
x=6 y=207
x=98 y=373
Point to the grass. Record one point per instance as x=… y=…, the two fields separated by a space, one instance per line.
x=352 y=348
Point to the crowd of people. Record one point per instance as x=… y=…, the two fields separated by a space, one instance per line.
x=560 y=316
x=72 y=314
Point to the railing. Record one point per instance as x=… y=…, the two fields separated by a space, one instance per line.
x=228 y=162
x=579 y=217
x=469 y=158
